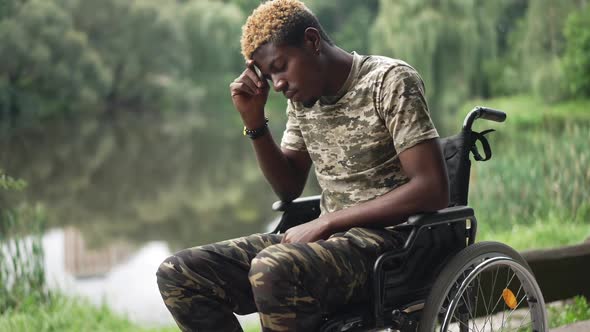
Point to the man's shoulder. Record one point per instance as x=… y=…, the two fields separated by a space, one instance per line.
x=376 y=69
x=380 y=63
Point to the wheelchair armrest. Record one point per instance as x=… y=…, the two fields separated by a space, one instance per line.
x=296 y=212
x=297 y=203
x=444 y=215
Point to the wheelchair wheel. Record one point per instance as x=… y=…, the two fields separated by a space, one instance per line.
x=487 y=286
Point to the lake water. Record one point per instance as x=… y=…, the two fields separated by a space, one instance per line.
x=128 y=287
x=120 y=195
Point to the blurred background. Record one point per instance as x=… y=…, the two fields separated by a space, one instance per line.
x=119 y=143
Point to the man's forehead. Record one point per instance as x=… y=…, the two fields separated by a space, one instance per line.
x=267 y=53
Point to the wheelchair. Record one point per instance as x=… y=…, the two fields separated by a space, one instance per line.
x=441 y=280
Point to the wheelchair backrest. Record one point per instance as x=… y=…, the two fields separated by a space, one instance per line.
x=456 y=150
x=456 y=153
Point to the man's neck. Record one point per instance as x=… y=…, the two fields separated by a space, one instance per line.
x=338 y=67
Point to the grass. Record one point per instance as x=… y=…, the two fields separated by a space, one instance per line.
x=22 y=274
x=73 y=315
x=525 y=111
x=575 y=311
x=551 y=232
x=535 y=190
x=66 y=314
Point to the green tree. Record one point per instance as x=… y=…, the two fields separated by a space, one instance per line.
x=577 y=53
x=247 y=6
x=70 y=56
x=211 y=32
x=46 y=65
x=543 y=29
x=470 y=48
x=447 y=41
x=347 y=21
x=502 y=72
x=540 y=44
x=140 y=45
x=8 y=7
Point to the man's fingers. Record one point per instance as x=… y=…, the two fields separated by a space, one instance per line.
x=258 y=77
x=258 y=81
x=284 y=239
x=250 y=83
x=238 y=87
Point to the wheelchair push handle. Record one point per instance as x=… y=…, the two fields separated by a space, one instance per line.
x=484 y=113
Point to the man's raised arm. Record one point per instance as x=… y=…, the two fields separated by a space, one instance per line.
x=285 y=170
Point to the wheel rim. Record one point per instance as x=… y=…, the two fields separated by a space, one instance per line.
x=520 y=302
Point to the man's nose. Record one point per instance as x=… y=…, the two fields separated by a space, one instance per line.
x=279 y=85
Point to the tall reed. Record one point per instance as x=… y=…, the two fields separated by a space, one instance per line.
x=537 y=174
x=22 y=273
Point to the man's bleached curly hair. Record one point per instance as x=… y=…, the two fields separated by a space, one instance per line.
x=282 y=22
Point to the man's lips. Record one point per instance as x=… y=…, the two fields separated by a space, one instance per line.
x=289 y=94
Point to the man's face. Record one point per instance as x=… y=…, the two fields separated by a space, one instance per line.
x=294 y=71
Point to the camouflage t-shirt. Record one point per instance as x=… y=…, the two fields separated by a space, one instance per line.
x=354 y=138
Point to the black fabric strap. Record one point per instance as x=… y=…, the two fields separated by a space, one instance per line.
x=484 y=143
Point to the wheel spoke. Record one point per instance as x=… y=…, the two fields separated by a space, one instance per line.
x=493 y=286
x=483 y=300
x=522 y=320
x=478 y=279
x=503 y=306
x=500 y=298
x=492 y=296
x=461 y=322
x=518 y=305
x=462 y=286
x=490 y=313
x=466 y=304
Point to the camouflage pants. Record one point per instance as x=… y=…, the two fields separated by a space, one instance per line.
x=290 y=285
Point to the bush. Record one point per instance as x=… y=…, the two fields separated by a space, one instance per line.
x=549 y=82
x=22 y=273
x=9 y=183
x=504 y=78
x=578 y=310
x=577 y=54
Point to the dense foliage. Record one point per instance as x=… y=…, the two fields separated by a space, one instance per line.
x=59 y=57
x=577 y=53
x=117 y=111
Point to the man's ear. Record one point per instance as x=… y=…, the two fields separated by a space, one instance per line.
x=312 y=40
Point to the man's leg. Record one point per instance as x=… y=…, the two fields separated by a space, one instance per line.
x=203 y=286
x=295 y=284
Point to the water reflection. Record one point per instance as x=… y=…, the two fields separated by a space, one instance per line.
x=141 y=178
x=82 y=262
x=125 y=280
x=134 y=188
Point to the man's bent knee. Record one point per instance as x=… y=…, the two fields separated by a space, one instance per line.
x=272 y=265
x=181 y=271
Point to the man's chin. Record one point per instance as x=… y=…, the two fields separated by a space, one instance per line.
x=309 y=103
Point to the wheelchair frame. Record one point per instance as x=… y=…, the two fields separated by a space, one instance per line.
x=399 y=291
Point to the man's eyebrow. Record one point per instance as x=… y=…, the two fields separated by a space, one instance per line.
x=272 y=62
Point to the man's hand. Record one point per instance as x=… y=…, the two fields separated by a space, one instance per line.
x=249 y=94
x=309 y=232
